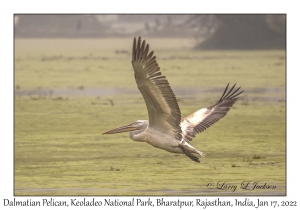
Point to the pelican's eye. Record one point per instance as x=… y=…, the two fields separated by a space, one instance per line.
x=138 y=123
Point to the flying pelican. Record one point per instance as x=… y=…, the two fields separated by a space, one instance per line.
x=165 y=128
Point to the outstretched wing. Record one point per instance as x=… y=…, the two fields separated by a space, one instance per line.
x=164 y=113
x=204 y=118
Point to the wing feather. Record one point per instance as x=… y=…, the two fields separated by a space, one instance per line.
x=206 y=117
x=164 y=113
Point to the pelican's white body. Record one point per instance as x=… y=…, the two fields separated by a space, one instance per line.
x=161 y=140
x=157 y=139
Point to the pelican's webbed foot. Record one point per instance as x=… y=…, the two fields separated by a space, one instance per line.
x=201 y=153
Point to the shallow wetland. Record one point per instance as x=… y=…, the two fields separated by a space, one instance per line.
x=67 y=92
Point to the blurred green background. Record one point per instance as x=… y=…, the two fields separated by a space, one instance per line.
x=65 y=98
x=69 y=91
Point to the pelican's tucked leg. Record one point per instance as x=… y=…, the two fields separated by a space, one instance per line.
x=184 y=143
x=187 y=153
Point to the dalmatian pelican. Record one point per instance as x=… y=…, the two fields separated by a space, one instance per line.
x=166 y=129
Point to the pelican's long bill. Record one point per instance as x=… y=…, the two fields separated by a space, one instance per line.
x=130 y=127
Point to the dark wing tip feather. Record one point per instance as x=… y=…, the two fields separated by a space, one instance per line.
x=232 y=97
x=230 y=94
x=225 y=91
x=140 y=51
x=226 y=96
x=146 y=51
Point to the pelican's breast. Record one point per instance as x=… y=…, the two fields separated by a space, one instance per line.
x=157 y=139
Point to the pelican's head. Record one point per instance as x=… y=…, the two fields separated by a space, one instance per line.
x=137 y=125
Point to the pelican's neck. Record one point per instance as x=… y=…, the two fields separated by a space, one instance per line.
x=137 y=134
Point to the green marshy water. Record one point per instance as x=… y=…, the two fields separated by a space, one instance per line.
x=59 y=149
